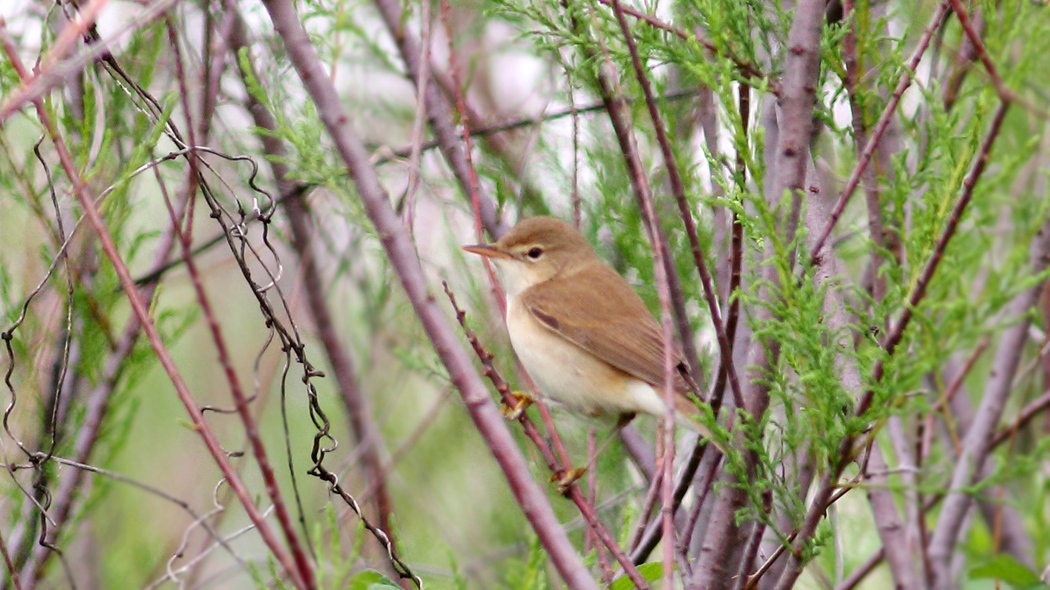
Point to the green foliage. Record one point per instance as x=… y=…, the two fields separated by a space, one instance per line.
x=824 y=335
x=337 y=561
x=651 y=572
x=528 y=574
x=1007 y=569
x=371 y=580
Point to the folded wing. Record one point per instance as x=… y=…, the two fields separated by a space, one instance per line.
x=617 y=328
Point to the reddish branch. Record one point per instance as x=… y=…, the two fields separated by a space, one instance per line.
x=982 y=54
x=663 y=288
x=403 y=258
x=574 y=492
x=860 y=134
x=472 y=187
x=736 y=244
x=37 y=85
x=439 y=114
x=829 y=482
x=900 y=538
x=358 y=406
x=918 y=293
x=298 y=570
x=514 y=124
x=978 y=442
x=1030 y=411
x=725 y=542
x=745 y=67
x=879 y=129
x=678 y=190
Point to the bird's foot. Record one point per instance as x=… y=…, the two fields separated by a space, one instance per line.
x=564 y=478
x=624 y=419
x=521 y=403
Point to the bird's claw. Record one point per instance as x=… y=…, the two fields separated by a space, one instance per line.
x=521 y=403
x=564 y=478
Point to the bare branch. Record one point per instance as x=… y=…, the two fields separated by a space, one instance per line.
x=402 y=255
x=439 y=115
x=979 y=438
x=138 y=305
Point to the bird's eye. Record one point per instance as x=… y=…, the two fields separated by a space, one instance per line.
x=535 y=253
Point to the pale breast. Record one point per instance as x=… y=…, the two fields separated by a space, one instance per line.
x=572 y=376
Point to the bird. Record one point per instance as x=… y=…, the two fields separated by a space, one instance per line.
x=583 y=334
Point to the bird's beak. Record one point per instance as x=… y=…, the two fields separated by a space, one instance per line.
x=487 y=250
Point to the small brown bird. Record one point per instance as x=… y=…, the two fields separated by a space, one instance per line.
x=581 y=332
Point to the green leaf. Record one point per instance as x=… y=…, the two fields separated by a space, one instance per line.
x=651 y=571
x=372 y=580
x=1006 y=568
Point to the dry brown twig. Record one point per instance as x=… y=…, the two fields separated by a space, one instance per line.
x=298 y=570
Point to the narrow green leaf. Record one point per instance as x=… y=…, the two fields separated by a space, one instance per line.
x=651 y=572
x=1006 y=568
x=371 y=580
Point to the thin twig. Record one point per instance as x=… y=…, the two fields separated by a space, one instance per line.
x=574 y=493
x=440 y=116
x=1005 y=94
x=138 y=306
x=746 y=68
x=824 y=494
x=879 y=129
x=678 y=190
x=405 y=262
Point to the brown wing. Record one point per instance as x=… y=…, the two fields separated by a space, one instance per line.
x=598 y=311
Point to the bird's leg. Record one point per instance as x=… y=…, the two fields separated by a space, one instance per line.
x=621 y=422
x=624 y=420
x=564 y=478
x=521 y=403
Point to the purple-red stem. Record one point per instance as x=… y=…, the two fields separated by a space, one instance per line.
x=138 y=307
x=574 y=492
x=880 y=128
x=237 y=392
x=404 y=260
x=678 y=189
x=745 y=67
x=824 y=496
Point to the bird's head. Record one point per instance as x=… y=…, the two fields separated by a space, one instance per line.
x=534 y=251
